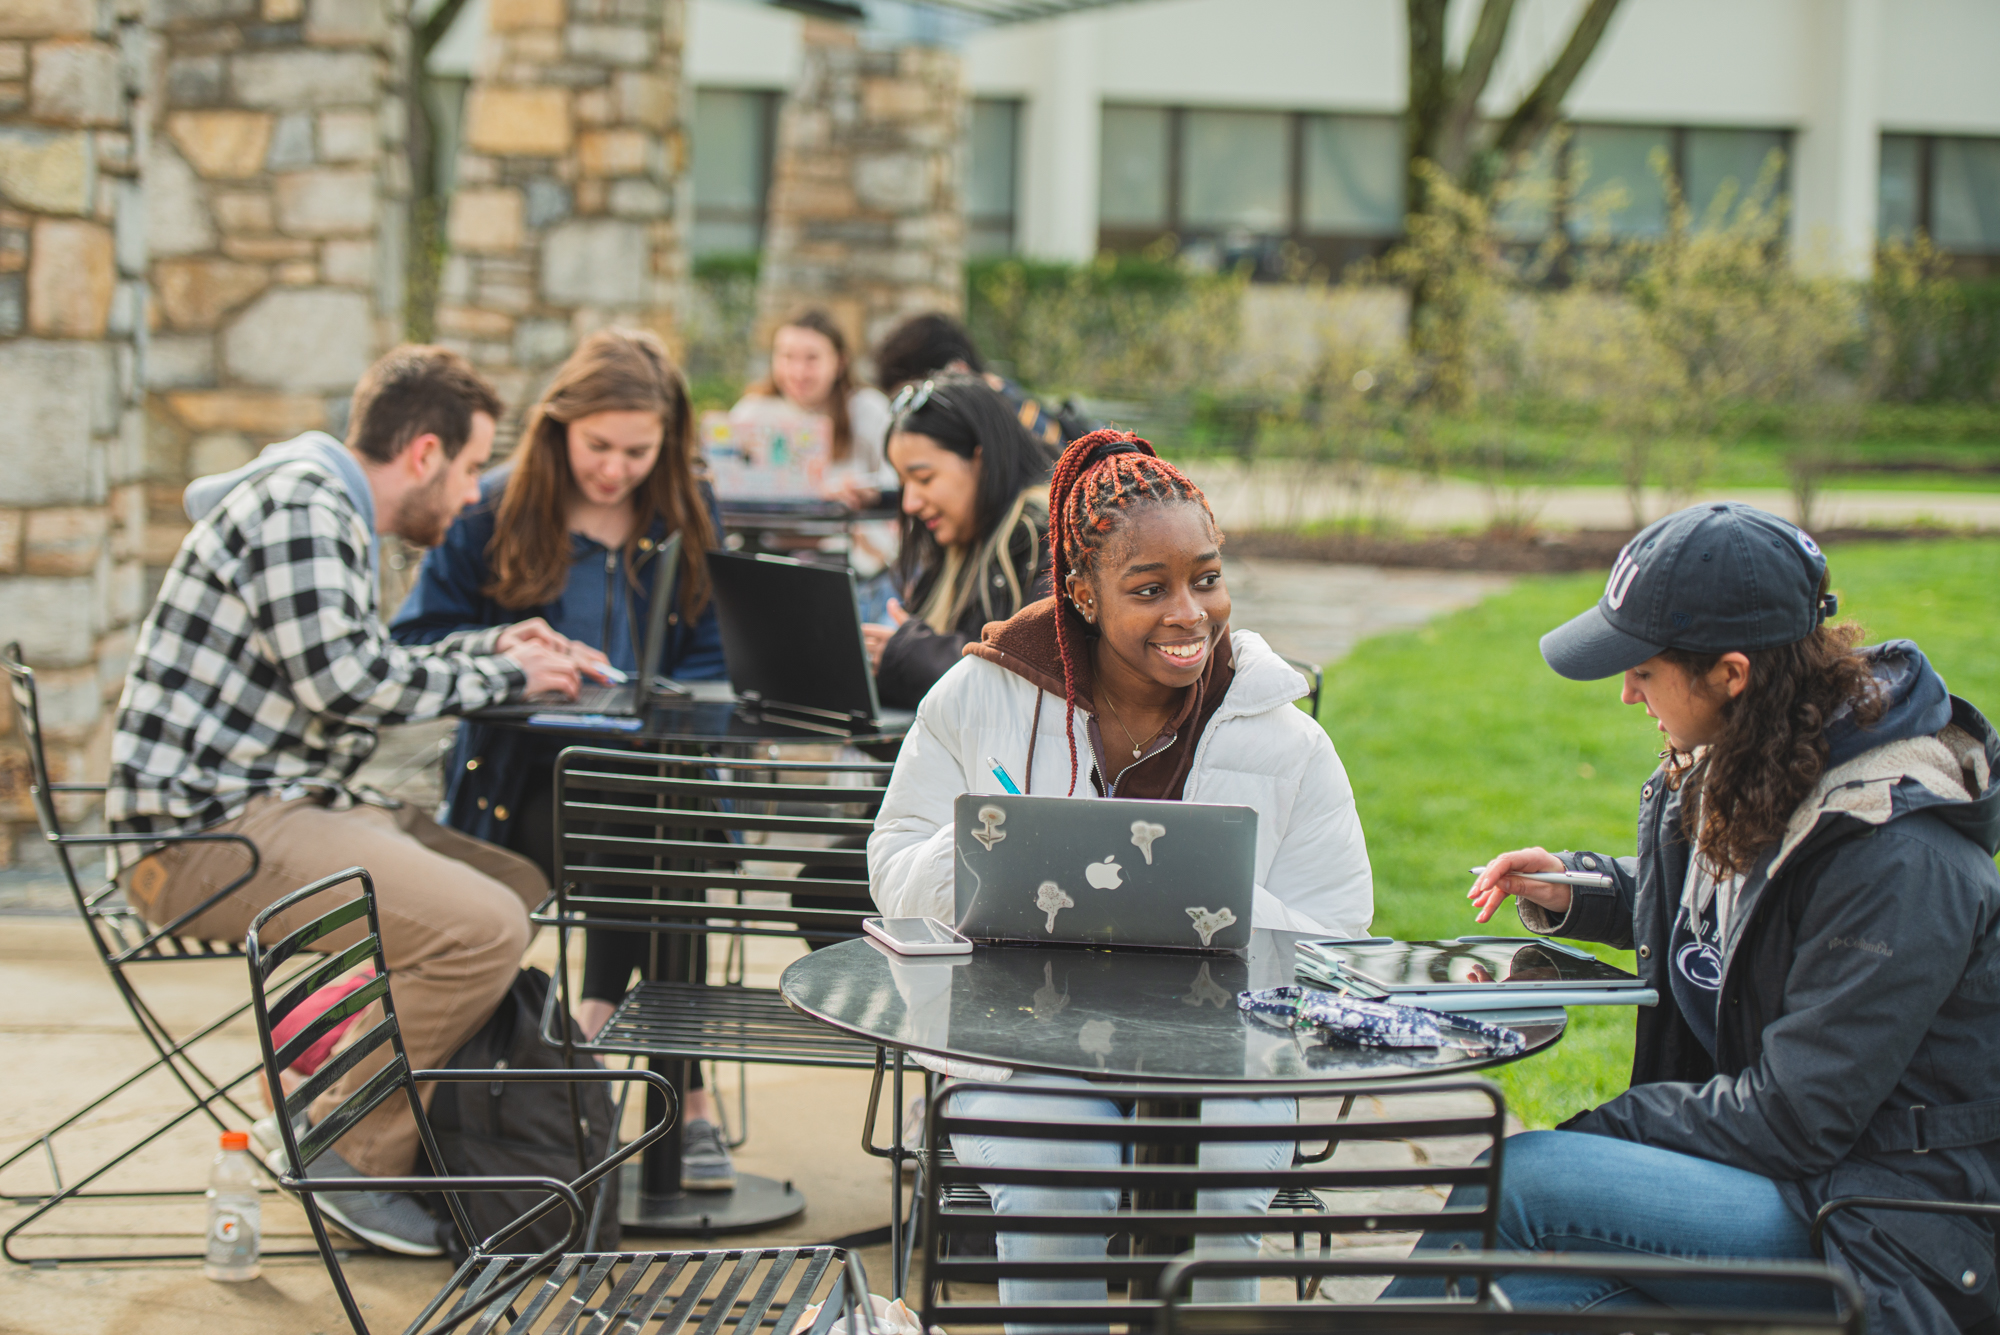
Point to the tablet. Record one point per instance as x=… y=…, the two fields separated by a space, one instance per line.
x=1486 y=963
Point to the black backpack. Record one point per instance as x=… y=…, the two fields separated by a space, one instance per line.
x=513 y=1129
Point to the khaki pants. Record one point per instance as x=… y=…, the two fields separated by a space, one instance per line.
x=454 y=918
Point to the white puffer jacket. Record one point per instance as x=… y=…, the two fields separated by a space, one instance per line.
x=1257 y=751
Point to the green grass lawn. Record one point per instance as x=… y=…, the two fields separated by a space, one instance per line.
x=1461 y=744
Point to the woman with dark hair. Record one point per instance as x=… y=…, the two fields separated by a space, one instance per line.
x=812 y=371
x=1814 y=899
x=570 y=529
x=975 y=516
x=1128 y=682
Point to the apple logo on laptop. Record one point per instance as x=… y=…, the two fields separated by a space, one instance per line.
x=1104 y=875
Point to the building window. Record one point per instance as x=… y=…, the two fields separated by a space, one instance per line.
x=992 y=173
x=1945 y=185
x=1603 y=180
x=731 y=169
x=1256 y=186
x=1353 y=175
x=1133 y=188
x=1235 y=172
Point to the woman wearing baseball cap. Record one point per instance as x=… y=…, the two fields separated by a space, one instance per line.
x=1814 y=898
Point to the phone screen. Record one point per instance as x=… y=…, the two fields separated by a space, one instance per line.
x=919 y=931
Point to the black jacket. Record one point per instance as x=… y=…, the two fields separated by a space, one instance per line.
x=916 y=656
x=1861 y=979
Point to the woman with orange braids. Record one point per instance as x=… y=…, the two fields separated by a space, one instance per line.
x=1127 y=683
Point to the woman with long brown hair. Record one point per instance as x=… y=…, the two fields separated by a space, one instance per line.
x=570 y=529
x=1814 y=899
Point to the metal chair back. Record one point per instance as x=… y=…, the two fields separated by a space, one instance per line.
x=1315 y=677
x=1159 y=1184
x=1476 y=1300
x=330 y=929
x=678 y=827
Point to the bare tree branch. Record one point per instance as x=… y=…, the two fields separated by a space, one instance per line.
x=1542 y=107
x=1469 y=85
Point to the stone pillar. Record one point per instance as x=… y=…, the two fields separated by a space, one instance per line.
x=864 y=214
x=563 y=215
x=276 y=193
x=72 y=317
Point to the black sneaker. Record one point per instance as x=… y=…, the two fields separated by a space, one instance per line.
x=705 y=1164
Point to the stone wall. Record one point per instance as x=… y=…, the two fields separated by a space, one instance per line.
x=276 y=187
x=72 y=333
x=864 y=214
x=569 y=179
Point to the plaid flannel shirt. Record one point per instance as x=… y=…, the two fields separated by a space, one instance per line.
x=264 y=665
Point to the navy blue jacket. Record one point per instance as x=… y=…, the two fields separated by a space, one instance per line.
x=491 y=767
x=1861 y=980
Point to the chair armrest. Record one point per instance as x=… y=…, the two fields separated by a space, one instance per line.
x=592 y=1176
x=173 y=927
x=1969 y=1209
x=570 y=1202
x=78 y=787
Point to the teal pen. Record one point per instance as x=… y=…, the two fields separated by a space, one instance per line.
x=1000 y=773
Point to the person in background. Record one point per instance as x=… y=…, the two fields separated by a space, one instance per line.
x=1128 y=682
x=570 y=530
x=1815 y=901
x=927 y=345
x=811 y=370
x=975 y=525
x=256 y=688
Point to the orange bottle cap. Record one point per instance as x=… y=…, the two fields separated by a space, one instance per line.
x=236 y=1140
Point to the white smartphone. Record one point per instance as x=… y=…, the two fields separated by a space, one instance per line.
x=917 y=936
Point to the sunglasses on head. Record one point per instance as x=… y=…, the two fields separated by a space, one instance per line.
x=913 y=396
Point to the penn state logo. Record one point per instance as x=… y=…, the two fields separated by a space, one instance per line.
x=1812 y=548
x=1622 y=574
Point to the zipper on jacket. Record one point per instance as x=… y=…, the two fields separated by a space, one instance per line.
x=610 y=587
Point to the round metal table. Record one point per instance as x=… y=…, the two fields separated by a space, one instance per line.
x=1112 y=1015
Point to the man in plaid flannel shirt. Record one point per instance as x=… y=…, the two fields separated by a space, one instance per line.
x=256 y=687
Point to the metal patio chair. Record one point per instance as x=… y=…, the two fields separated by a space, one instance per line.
x=553 y=1291
x=1315 y=677
x=1476 y=1300
x=707 y=838
x=126 y=944
x=1157 y=1191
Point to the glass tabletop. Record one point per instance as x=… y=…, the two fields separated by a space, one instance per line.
x=1091 y=1012
x=712 y=714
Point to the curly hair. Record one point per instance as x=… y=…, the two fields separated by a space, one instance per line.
x=1098 y=481
x=1772 y=749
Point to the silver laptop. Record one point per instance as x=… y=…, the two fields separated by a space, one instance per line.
x=1104 y=872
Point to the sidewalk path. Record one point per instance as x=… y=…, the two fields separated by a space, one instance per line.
x=1277 y=494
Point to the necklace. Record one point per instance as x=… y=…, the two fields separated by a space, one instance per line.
x=1138 y=747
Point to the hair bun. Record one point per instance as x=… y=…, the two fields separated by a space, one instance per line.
x=1106 y=443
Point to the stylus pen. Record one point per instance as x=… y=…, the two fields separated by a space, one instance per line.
x=1000 y=773
x=616 y=676
x=1590 y=878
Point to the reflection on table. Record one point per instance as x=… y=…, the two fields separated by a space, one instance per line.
x=1111 y=1014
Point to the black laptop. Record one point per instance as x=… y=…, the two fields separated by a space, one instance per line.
x=634 y=698
x=791 y=631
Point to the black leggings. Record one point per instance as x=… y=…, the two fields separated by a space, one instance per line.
x=610 y=957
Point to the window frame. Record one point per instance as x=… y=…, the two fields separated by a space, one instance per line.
x=758 y=217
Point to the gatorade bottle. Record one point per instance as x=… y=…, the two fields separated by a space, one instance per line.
x=235 y=1213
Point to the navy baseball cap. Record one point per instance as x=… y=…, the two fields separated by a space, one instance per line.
x=1712 y=579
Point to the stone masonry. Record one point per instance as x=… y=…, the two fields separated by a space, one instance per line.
x=276 y=187
x=864 y=214
x=569 y=178
x=72 y=335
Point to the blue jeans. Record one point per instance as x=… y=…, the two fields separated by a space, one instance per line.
x=1008 y=1152
x=1564 y=1191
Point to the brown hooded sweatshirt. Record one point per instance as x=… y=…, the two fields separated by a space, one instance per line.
x=1025 y=644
